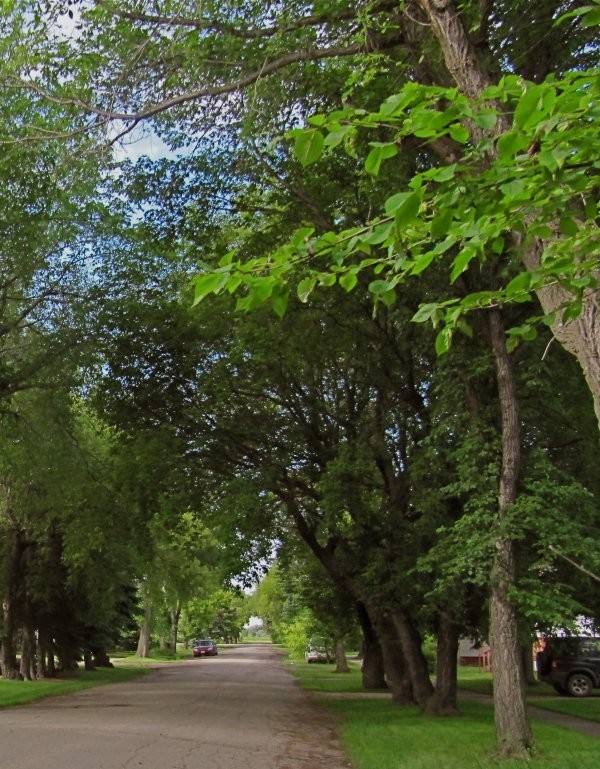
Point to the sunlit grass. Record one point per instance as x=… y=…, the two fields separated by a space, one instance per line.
x=323 y=678
x=21 y=692
x=379 y=735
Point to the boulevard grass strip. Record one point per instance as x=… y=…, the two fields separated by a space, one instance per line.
x=587 y=707
x=539 y=694
x=21 y=692
x=379 y=735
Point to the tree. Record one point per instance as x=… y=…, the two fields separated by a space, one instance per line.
x=473 y=45
x=64 y=580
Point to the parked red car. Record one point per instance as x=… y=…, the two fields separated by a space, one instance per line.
x=205 y=648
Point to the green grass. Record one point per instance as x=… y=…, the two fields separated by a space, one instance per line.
x=379 y=735
x=21 y=692
x=323 y=678
x=588 y=708
x=539 y=694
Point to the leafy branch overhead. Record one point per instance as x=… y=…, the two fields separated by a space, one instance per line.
x=538 y=180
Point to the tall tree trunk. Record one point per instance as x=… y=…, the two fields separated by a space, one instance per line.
x=28 y=666
x=175 y=615
x=143 y=647
x=412 y=650
x=373 y=671
x=8 y=658
x=101 y=658
x=444 y=700
x=512 y=726
x=341 y=663
x=397 y=674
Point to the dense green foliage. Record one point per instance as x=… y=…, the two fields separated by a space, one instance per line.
x=154 y=451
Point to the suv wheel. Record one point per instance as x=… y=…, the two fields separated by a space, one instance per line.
x=579 y=685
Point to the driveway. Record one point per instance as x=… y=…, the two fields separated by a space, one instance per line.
x=240 y=710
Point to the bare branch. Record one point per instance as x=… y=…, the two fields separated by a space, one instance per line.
x=249 y=34
x=268 y=68
x=574 y=563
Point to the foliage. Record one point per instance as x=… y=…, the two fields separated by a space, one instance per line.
x=543 y=170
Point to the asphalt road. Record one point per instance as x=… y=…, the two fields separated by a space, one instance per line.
x=240 y=710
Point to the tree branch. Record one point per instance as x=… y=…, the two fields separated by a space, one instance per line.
x=268 y=68
x=249 y=34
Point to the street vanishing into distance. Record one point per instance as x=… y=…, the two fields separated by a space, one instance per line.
x=240 y=709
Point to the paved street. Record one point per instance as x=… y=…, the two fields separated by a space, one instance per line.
x=240 y=710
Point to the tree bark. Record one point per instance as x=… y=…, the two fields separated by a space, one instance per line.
x=444 y=700
x=412 y=652
x=373 y=671
x=143 y=648
x=341 y=662
x=527 y=662
x=175 y=614
x=397 y=674
x=8 y=658
x=513 y=733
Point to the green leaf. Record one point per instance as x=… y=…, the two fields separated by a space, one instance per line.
x=443 y=341
x=227 y=258
x=486 y=119
x=572 y=311
x=210 y=283
x=379 y=234
x=404 y=206
x=592 y=18
x=348 y=281
x=423 y=262
x=425 y=312
x=568 y=226
x=526 y=331
x=459 y=133
x=498 y=245
x=388 y=297
x=461 y=262
x=521 y=283
x=327 y=279
x=379 y=287
x=308 y=145
x=338 y=134
x=306 y=287
x=279 y=302
x=510 y=143
x=440 y=224
x=300 y=237
x=260 y=289
x=378 y=154
x=528 y=112
x=443 y=174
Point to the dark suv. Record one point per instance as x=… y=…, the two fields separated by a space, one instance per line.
x=571 y=664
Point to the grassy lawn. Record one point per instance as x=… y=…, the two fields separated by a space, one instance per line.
x=539 y=694
x=322 y=678
x=21 y=692
x=378 y=735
